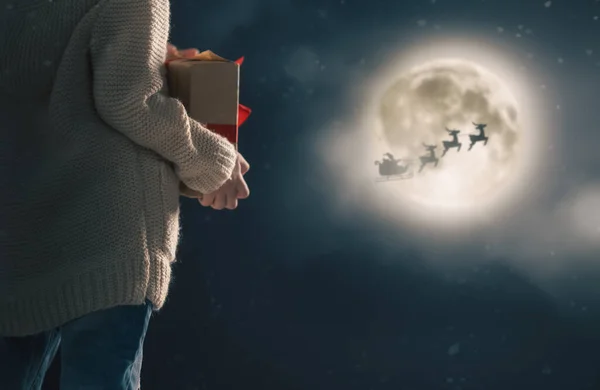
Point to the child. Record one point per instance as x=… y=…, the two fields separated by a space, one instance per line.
x=93 y=152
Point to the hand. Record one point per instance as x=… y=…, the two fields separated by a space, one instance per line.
x=174 y=53
x=235 y=188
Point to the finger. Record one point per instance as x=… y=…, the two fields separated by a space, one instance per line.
x=171 y=48
x=188 y=53
x=232 y=202
x=220 y=202
x=242 y=189
x=207 y=200
x=172 y=51
x=245 y=167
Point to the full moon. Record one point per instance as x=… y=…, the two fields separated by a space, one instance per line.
x=412 y=100
x=422 y=103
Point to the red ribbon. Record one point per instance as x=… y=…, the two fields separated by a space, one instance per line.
x=243 y=114
x=231 y=131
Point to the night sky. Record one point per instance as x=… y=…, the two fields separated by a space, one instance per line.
x=284 y=293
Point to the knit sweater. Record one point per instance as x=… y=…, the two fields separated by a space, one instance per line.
x=92 y=153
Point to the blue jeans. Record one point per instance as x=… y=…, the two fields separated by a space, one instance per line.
x=99 y=351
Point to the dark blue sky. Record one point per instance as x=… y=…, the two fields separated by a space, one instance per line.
x=280 y=294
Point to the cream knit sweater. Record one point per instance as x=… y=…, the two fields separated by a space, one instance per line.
x=92 y=151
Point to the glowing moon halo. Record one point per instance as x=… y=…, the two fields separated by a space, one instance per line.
x=462 y=197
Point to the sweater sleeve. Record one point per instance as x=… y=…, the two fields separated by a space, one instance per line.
x=128 y=50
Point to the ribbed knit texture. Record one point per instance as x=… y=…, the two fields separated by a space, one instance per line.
x=92 y=152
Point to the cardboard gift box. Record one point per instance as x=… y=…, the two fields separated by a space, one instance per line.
x=208 y=87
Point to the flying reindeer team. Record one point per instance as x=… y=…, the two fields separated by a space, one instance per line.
x=391 y=167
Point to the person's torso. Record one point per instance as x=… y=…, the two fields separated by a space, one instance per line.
x=72 y=187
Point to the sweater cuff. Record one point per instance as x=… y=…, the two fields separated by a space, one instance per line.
x=218 y=158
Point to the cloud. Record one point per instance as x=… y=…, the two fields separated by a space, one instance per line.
x=551 y=232
x=550 y=235
x=579 y=216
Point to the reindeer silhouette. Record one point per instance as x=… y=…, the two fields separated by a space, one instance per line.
x=451 y=144
x=478 y=137
x=428 y=158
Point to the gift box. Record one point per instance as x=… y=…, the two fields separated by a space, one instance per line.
x=208 y=87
